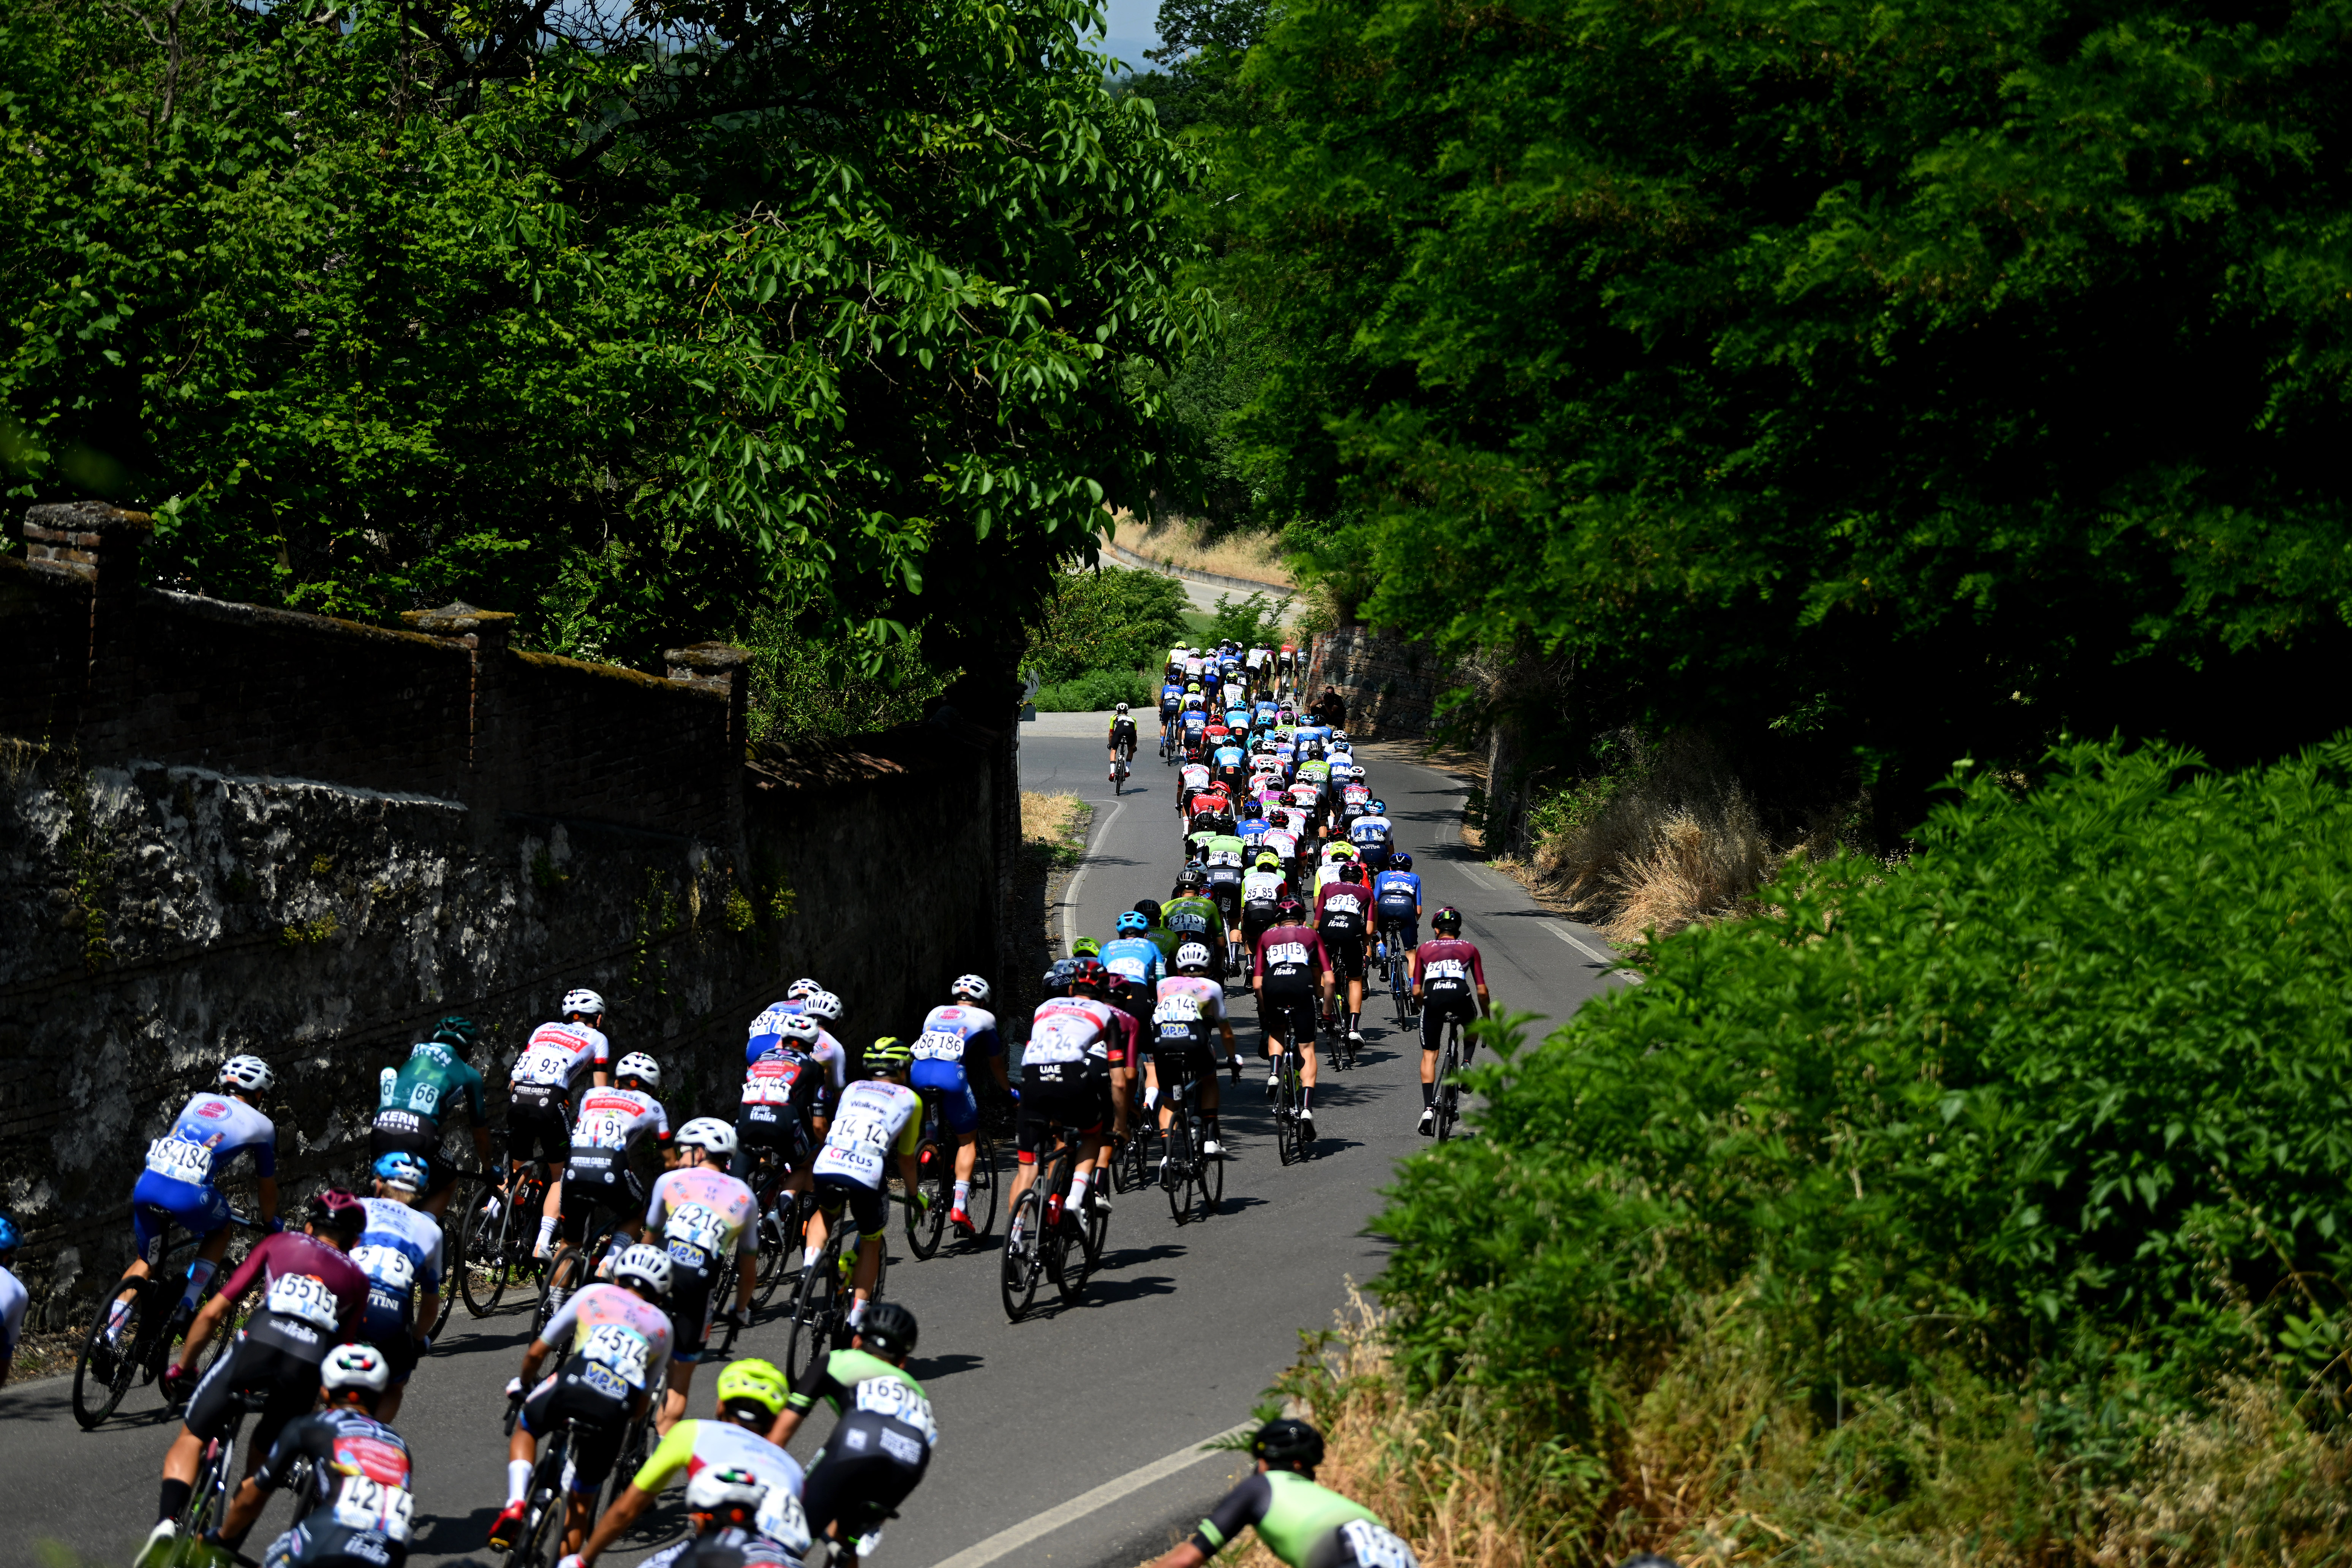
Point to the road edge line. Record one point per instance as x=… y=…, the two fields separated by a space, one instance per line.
x=1086 y=1502
x=1086 y=864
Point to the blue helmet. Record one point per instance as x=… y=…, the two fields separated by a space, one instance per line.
x=403 y=1170
x=1132 y=923
x=1401 y=861
x=1380 y=808
x=11 y=1237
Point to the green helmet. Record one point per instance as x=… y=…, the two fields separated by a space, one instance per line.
x=1085 y=947
x=890 y=1054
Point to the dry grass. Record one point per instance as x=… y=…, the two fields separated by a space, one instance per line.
x=1047 y=818
x=1177 y=543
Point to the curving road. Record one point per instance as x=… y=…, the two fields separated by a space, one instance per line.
x=1055 y=1429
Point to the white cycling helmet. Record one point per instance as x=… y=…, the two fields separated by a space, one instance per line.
x=823 y=1005
x=355 y=1366
x=709 y=1134
x=638 y=1066
x=582 y=1001
x=969 y=988
x=802 y=989
x=801 y=1030
x=250 y=1074
x=645 y=1268
x=1192 y=955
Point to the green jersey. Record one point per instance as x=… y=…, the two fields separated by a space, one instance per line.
x=1166 y=942
x=1228 y=845
x=1295 y=1517
x=1192 y=918
x=428 y=1081
x=854 y=1380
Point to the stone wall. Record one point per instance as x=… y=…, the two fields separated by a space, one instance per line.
x=1391 y=685
x=229 y=829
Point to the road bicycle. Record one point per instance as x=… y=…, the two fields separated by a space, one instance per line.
x=1447 y=1100
x=1119 y=760
x=1045 y=1240
x=1193 y=1179
x=496 y=1236
x=1397 y=969
x=540 y=1543
x=783 y=1221
x=935 y=1161
x=218 y=1476
x=575 y=1266
x=106 y=1369
x=1131 y=1164
x=1294 y=1138
x=1332 y=1026
x=822 y=1293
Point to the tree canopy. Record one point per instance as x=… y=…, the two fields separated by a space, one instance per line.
x=663 y=307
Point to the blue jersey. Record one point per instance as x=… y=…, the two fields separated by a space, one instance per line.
x=1265 y=712
x=399 y=1250
x=1135 y=961
x=211 y=1130
x=952 y=1038
x=1253 y=833
x=1195 y=719
x=1230 y=757
x=1396 y=887
x=1171 y=696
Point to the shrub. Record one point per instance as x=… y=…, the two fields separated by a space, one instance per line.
x=1097 y=690
x=1109 y=619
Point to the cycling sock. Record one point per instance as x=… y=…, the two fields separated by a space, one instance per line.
x=1078 y=1188
x=857 y=1311
x=175 y=1498
x=118 y=1314
x=1151 y=1098
x=518 y=1480
x=546 y=1234
x=1306 y=1097
x=1428 y=1095
x=200 y=1273
x=963 y=1193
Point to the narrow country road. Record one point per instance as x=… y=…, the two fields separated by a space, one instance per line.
x=1180 y=1331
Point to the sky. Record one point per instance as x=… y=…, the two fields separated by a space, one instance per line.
x=1133 y=29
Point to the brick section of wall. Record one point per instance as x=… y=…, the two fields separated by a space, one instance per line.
x=596 y=741
x=1391 y=685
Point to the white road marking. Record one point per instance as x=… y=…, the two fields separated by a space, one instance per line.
x=1005 y=1541
x=1070 y=893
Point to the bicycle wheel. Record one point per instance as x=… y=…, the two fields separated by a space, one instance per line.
x=208 y=1500
x=547 y=1505
x=482 y=1244
x=1448 y=1095
x=1022 y=1264
x=933 y=1164
x=1399 y=993
x=814 y=1306
x=1176 y=1148
x=95 y=1397
x=1212 y=1184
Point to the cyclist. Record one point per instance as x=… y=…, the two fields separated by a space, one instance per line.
x=1171 y=699
x=313 y=1300
x=1343 y=913
x=1191 y=779
x=1073 y=1074
x=540 y=1090
x=1195 y=722
x=13 y=1297
x=878 y=1114
x=412 y=1098
x=1223 y=857
x=750 y=1396
x=1305 y=1525
x=1290 y=964
x=1229 y=765
x=826 y=1008
x=614 y=1335
x=400 y=1252
x=613 y=1122
x=1261 y=889
x=1449 y=981
x=1193 y=916
x=1396 y=901
x=1373 y=836
x=820 y=1045
x=180 y=1186
x=1122 y=740
x=1136 y=965
x=1157 y=933
x=779 y=1106
x=701 y=1213
x=882 y=1443
x=953 y=1038
x=354 y=1504
x=1187 y=1004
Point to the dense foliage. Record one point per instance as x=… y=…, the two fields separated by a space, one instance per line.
x=1929 y=382
x=2061 y=1105
x=663 y=308
x=1108 y=619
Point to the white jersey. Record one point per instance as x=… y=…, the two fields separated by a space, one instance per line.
x=1255 y=658
x=1262 y=887
x=612 y=1119
x=211 y=1130
x=1185 y=997
x=557 y=1054
x=872 y=1117
x=399 y=1249
x=13 y=1300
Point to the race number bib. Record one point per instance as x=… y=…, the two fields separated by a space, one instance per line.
x=388 y=1267
x=620 y=1349
x=889 y=1396
x=303 y=1298
x=543 y=1065
x=1060 y=1040
x=365 y=1503
x=699 y=1226
x=939 y=1045
x=603 y=1129
x=425 y=1097
x=782 y=1520
x=1445 y=971
x=1376 y=1548
x=181 y=1160
x=1280 y=954
x=1347 y=904
x=1183 y=1007
x=854 y=1144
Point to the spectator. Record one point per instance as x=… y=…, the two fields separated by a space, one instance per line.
x=1332 y=708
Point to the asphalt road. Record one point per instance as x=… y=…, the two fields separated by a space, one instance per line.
x=1179 y=1334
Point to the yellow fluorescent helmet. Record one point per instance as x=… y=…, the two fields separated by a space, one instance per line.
x=758 y=1381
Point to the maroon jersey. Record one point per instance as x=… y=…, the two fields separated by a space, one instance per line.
x=1449 y=967
x=1341 y=909
x=1290 y=958
x=314 y=1297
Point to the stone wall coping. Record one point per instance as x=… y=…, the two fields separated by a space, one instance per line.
x=302 y=621
x=85 y=522
x=622 y=673
x=456 y=618
x=711 y=656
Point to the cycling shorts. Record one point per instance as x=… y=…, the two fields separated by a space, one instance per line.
x=287 y=1382
x=868 y=1209
x=690 y=1285
x=1336 y=1550
x=1288 y=1015
x=388 y=1329
x=538 y=1133
x=777 y=1127
x=1347 y=954
x=598 y=1178
x=581 y=1389
x=322 y=1540
x=158 y=1200
x=947 y=1085
x=1083 y=1104
x=866 y=1470
x=1402 y=917
x=1436 y=1008
x=405 y=1132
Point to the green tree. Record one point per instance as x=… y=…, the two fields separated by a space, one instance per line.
x=1927 y=381
x=1109 y=619
x=639 y=315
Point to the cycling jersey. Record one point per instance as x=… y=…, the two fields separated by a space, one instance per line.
x=313 y=1298
x=1192 y=918
x=613 y=1328
x=1191 y=779
x=357 y=1503
x=12 y=1301
x=1341 y=910
x=779 y=1093
x=611 y=1120
x=703 y=1214
x=1263 y=887
x=1171 y=697
x=1166 y=941
x=1136 y=962
x=1250 y=831
x=180 y=1185
x=1229 y=756
x=430 y=1081
x=1284 y=841
x=874 y=1117
x=1184 y=1012
x=541 y=1083
x=1450 y=967
x=827 y=1051
x=952 y=1038
x=1291 y=958
x=694 y=1447
x=1302 y=1523
x=1122 y=732
x=400 y=1253
x=1369 y=830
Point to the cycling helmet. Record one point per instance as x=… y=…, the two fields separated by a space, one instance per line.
x=1288 y=910
x=11 y=1237
x=1288 y=1442
x=1192 y=958
x=581 y=1001
x=890 y=1054
x=822 y=1005
x=336 y=1210
x=799 y=1030
x=638 y=1066
x=1057 y=979
x=1149 y=909
x=248 y=1075
x=755 y=1382
x=1122 y=709
x=1380 y=808
x=969 y=988
x=713 y=1137
x=1085 y=947
x=1088 y=971
x=733 y=1493
x=644 y=1269
x=1267 y=860
x=1132 y=923
x=1193 y=879
x=458 y=1032
x=1401 y=861
x=1351 y=872
x=1446 y=922
x=355 y=1369
x=801 y=990
x=888 y=1329
x=1339 y=849
x=403 y=1170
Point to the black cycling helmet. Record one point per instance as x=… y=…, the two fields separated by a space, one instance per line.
x=1288 y=910
x=1287 y=1444
x=888 y=1330
x=1149 y=909
x=458 y=1033
x=1057 y=979
x=1446 y=922
x=1193 y=879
